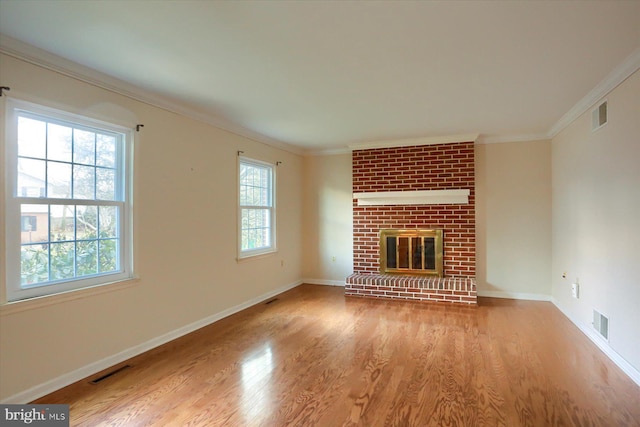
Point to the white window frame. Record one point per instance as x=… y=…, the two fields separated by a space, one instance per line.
x=248 y=253
x=14 y=290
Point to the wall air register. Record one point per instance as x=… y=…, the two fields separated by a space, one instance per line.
x=601 y=324
x=599 y=116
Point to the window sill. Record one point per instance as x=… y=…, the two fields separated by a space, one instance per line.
x=13 y=307
x=257 y=256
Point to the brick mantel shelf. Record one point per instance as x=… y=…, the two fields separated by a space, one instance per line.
x=416 y=197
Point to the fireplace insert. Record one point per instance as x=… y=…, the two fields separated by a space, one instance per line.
x=407 y=251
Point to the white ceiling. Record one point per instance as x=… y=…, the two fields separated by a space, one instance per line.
x=323 y=74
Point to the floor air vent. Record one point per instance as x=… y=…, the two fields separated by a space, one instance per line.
x=601 y=324
x=109 y=374
x=270 y=301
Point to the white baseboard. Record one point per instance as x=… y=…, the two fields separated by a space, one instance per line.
x=514 y=295
x=620 y=361
x=92 y=368
x=324 y=282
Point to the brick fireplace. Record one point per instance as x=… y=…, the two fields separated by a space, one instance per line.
x=419 y=169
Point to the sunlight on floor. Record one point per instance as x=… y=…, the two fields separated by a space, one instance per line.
x=256 y=384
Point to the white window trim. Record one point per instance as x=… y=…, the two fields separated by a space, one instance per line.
x=14 y=291
x=252 y=253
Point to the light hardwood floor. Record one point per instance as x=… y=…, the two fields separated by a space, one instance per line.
x=316 y=358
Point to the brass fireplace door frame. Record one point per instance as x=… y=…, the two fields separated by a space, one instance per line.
x=409 y=233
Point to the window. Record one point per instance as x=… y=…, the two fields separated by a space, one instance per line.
x=29 y=223
x=257 y=211
x=68 y=202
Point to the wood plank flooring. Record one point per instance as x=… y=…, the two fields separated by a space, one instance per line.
x=316 y=358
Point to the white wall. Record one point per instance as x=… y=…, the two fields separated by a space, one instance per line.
x=513 y=203
x=328 y=219
x=596 y=219
x=513 y=219
x=185 y=238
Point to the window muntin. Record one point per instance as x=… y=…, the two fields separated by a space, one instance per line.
x=69 y=178
x=257 y=212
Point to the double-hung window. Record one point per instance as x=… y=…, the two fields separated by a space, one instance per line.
x=257 y=208
x=67 y=201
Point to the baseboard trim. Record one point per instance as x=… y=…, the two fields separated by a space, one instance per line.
x=324 y=282
x=514 y=295
x=620 y=361
x=92 y=368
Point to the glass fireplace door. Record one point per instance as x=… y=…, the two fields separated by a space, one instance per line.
x=411 y=251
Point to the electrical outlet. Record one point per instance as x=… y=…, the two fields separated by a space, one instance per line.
x=575 y=290
x=333 y=259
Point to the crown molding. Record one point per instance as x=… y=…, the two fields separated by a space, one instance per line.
x=431 y=140
x=619 y=74
x=328 y=152
x=499 y=139
x=479 y=140
x=41 y=58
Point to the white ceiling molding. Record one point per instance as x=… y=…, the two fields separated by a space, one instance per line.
x=329 y=152
x=497 y=139
x=31 y=54
x=420 y=197
x=410 y=142
x=613 y=79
